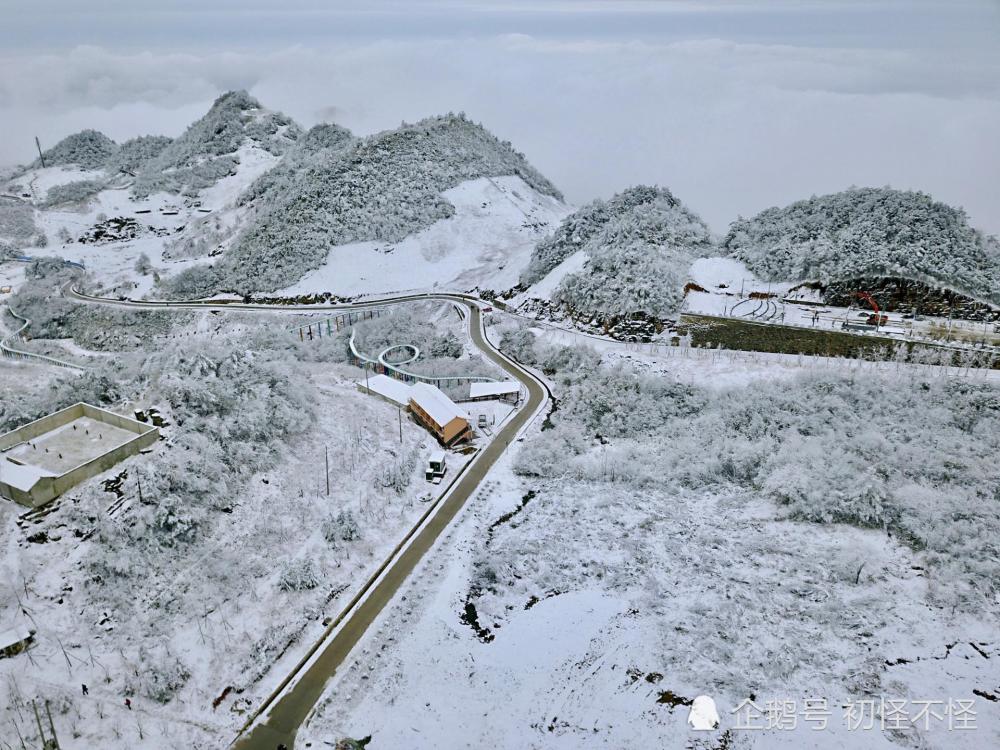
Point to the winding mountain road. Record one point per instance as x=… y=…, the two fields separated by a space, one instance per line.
x=278 y=719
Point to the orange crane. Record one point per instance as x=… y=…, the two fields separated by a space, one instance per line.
x=876 y=318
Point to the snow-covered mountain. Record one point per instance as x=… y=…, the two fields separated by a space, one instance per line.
x=868 y=232
x=617 y=258
x=246 y=201
x=379 y=189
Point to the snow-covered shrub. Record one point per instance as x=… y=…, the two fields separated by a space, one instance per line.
x=868 y=232
x=161 y=675
x=446 y=344
x=299 y=575
x=341 y=527
x=174 y=522
x=194 y=282
x=570 y=361
x=519 y=343
x=79 y=191
x=17 y=223
x=134 y=153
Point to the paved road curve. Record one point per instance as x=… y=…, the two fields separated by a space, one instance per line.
x=286 y=710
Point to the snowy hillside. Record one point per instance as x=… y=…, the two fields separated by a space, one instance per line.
x=380 y=189
x=209 y=149
x=869 y=232
x=92 y=202
x=321 y=144
x=617 y=258
x=496 y=223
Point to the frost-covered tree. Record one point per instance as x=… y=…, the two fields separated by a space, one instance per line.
x=133 y=155
x=341 y=527
x=79 y=191
x=519 y=343
x=143 y=264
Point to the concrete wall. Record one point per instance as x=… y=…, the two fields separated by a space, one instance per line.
x=47 y=489
x=39 y=427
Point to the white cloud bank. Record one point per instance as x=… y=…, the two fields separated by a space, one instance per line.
x=730 y=127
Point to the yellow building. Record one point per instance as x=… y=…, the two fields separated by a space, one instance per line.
x=439 y=414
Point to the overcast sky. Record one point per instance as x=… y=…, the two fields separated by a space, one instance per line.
x=734 y=105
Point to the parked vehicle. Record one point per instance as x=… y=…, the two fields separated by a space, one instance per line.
x=483 y=422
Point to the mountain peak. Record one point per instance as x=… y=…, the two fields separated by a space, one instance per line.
x=208 y=149
x=89 y=149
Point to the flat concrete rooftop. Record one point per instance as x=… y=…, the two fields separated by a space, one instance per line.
x=69 y=445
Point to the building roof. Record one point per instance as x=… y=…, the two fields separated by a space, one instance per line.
x=438 y=406
x=477 y=390
x=21 y=476
x=389 y=388
x=14 y=636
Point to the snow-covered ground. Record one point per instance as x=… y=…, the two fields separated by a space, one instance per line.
x=729 y=287
x=275 y=524
x=544 y=288
x=488 y=241
x=677 y=595
x=34 y=185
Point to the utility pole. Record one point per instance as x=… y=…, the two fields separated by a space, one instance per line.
x=327 y=453
x=400 y=425
x=38 y=145
x=52 y=727
x=365 y=364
